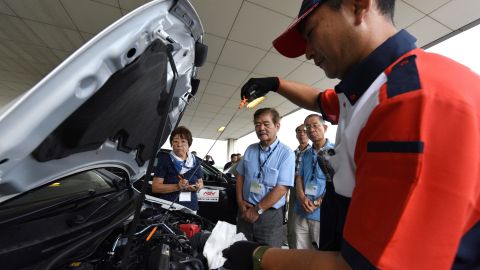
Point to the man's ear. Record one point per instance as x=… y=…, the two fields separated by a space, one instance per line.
x=361 y=7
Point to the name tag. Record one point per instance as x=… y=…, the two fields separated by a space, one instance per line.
x=185 y=196
x=256 y=187
x=311 y=189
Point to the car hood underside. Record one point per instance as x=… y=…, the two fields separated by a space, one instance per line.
x=112 y=103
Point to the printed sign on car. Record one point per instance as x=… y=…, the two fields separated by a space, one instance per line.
x=208 y=195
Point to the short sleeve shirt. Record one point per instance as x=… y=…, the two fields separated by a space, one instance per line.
x=415 y=203
x=298 y=157
x=165 y=169
x=314 y=178
x=278 y=169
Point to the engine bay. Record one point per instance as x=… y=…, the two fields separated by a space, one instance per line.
x=163 y=239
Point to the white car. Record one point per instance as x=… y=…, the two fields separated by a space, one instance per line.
x=71 y=147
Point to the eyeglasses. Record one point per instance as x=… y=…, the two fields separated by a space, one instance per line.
x=300 y=131
x=265 y=124
x=312 y=126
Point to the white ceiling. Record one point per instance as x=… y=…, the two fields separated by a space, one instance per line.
x=36 y=35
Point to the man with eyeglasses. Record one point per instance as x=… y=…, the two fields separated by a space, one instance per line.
x=310 y=183
x=265 y=173
x=292 y=195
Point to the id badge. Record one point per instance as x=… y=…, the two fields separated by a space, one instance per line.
x=185 y=196
x=311 y=189
x=256 y=187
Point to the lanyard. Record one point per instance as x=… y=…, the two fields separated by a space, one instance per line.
x=314 y=168
x=265 y=161
x=314 y=165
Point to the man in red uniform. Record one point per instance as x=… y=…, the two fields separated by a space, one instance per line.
x=407 y=149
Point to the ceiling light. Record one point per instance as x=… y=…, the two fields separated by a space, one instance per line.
x=220 y=129
x=255 y=102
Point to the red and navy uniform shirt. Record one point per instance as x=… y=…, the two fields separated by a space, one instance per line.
x=408 y=154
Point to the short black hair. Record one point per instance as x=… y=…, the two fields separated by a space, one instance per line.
x=300 y=127
x=316 y=115
x=184 y=133
x=386 y=7
x=274 y=113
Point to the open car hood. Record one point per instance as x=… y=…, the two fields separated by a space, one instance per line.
x=111 y=103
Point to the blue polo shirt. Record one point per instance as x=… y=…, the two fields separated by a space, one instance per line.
x=311 y=172
x=278 y=169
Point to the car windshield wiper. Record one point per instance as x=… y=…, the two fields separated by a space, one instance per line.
x=66 y=200
x=81 y=219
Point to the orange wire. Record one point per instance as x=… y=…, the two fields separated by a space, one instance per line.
x=151 y=233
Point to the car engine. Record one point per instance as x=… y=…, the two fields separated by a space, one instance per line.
x=158 y=243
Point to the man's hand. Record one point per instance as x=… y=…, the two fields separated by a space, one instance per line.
x=239 y=255
x=307 y=205
x=250 y=215
x=243 y=206
x=259 y=87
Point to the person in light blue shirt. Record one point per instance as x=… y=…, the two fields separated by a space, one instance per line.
x=265 y=173
x=311 y=185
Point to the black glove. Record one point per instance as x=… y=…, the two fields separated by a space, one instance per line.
x=239 y=255
x=259 y=87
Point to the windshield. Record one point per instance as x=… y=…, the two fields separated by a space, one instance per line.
x=87 y=183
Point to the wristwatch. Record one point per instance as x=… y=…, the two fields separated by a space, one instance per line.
x=316 y=202
x=259 y=210
x=257 y=257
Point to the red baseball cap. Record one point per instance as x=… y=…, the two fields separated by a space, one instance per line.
x=291 y=42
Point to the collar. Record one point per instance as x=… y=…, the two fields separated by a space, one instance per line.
x=301 y=151
x=325 y=146
x=362 y=75
x=180 y=163
x=270 y=147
